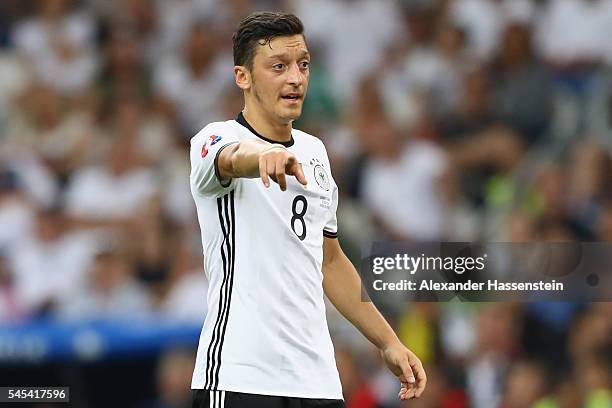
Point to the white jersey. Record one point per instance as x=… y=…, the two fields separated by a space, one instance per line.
x=266 y=331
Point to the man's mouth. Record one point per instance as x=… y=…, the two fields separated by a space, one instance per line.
x=292 y=96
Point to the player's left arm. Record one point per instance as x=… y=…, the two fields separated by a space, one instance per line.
x=342 y=286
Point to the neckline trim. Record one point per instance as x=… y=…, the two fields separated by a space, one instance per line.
x=241 y=119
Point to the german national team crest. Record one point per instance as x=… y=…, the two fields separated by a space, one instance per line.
x=211 y=141
x=320 y=175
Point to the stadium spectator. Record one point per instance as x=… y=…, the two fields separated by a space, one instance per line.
x=525 y=384
x=114 y=190
x=10 y=308
x=48 y=265
x=183 y=298
x=193 y=83
x=408 y=204
x=523 y=91
x=110 y=291
x=173 y=379
x=350 y=58
x=47 y=125
x=16 y=210
x=57 y=44
x=357 y=392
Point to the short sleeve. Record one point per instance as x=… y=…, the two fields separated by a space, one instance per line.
x=330 y=230
x=205 y=149
x=331 y=225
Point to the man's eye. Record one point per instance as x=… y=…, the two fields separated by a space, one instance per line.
x=305 y=64
x=278 y=66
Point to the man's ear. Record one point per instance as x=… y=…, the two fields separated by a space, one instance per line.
x=242 y=76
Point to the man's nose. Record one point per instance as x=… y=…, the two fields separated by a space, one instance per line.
x=295 y=76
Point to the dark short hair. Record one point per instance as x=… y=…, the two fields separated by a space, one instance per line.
x=260 y=28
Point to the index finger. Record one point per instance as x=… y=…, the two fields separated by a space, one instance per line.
x=421 y=377
x=298 y=173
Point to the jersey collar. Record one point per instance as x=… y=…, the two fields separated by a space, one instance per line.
x=240 y=119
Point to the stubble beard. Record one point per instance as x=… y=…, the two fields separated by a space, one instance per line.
x=255 y=93
x=271 y=111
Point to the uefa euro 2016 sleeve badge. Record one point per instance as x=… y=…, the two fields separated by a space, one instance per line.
x=209 y=142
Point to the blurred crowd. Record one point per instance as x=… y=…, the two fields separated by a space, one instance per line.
x=456 y=120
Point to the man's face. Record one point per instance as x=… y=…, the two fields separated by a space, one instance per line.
x=279 y=77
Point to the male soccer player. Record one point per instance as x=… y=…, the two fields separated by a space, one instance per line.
x=271 y=252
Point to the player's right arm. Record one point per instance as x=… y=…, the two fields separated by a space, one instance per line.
x=218 y=156
x=254 y=158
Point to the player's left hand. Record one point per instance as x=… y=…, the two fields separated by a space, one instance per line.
x=408 y=368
